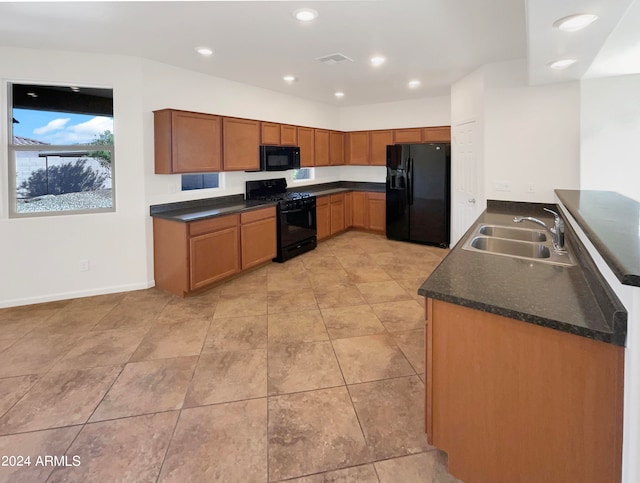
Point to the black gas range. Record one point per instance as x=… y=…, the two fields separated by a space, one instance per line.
x=296 y=213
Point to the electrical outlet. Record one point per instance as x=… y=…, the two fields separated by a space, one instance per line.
x=172 y=188
x=501 y=186
x=84 y=265
x=530 y=188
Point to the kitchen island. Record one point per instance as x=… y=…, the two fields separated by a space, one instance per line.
x=524 y=364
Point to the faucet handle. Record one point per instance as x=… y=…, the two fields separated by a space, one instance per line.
x=555 y=215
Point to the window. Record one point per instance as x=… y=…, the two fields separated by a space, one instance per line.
x=302 y=174
x=200 y=181
x=60 y=150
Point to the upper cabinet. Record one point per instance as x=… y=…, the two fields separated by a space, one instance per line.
x=321 y=139
x=278 y=134
x=307 y=146
x=187 y=142
x=241 y=141
x=379 y=142
x=357 y=147
x=411 y=135
x=336 y=148
x=440 y=134
x=288 y=135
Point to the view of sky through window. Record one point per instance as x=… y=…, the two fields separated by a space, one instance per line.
x=59 y=128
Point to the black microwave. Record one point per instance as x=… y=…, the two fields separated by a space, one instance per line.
x=279 y=158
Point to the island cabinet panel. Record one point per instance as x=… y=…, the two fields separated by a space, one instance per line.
x=376 y=212
x=321 y=139
x=336 y=148
x=359 y=209
x=241 y=141
x=337 y=213
x=187 y=142
x=269 y=133
x=513 y=401
x=171 y=256
x=357 y=148
x=411 y=135
x=288 y=135
x=379 y=142
x=436 y=134
x=307 y=146
x=258 y=237
x=323 y=217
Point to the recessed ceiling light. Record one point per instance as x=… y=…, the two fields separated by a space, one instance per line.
x=305 y=14
x=573 y=23
x=289 y=78
x=562 y=63
x=414 y=83
x=206 y=51
x=339 y=94
x=377 y=60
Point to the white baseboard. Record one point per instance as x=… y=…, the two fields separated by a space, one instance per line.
x=77 y=294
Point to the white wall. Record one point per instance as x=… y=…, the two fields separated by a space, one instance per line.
x=609 y=135
x=39 y=257
x=531 y=134
x=431 y=111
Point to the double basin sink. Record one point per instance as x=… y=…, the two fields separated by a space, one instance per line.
x=516 y=242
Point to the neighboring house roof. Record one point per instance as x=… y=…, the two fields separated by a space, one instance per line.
x=20 y=141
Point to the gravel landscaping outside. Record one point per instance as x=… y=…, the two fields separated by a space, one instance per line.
x=84 y=200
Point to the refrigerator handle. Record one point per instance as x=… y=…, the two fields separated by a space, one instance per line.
x=409 y=181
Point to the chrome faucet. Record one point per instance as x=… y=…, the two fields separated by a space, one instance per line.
x=557 y=232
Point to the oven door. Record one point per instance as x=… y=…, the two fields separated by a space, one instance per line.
x=297 y=224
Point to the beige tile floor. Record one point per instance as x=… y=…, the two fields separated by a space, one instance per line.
x=307 y=371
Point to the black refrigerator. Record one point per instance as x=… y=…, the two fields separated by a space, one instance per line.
x=418 y=193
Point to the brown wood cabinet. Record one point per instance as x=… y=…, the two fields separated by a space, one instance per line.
x=359 y=207
x=187 y=142
x=378 y=151
x=269 y=133
x=321 y=139
x=336 y=148
x=358 y=147
x=288 y=135
x=376 y=212
x=513 y=401
x=241 y=142
x=337 y=213
x=436 y=134
x=258 y=236
x=214 y=255
x=410 y=135
x=348 y=209
x=323 y=217
x=307 y=147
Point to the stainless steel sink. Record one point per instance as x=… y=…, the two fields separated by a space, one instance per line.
x=522 y=234
x=511 y=247
x=515 y=242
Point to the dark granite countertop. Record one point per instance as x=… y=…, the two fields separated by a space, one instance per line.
x=188 y=211
x=570 y=299
x=612 y=223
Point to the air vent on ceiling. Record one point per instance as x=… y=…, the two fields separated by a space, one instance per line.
x=332 y=59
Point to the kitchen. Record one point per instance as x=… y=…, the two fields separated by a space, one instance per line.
x=513 y=118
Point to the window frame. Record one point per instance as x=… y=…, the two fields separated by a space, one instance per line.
x=13 y=149
x=312 y=175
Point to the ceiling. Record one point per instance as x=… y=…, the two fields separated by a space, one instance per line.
x=258 y=42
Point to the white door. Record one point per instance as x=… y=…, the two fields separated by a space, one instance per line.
x=466 y=206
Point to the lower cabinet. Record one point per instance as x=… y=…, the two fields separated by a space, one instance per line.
x=323 y=217
x=359 y=206
x=376 y=212
x=512 y=401
x=337 y=213
x=190 y=256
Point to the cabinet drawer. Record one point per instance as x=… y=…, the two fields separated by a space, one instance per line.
x=339 y=198
x=212 y=224
x=323 y=200
x=256 y=215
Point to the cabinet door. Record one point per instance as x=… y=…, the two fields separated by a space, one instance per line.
x=337 y=214
x=269 y=133
x=213 y=256
x=336 y=148
x=258 y=241
x=321 y=147
x=359 y=207
x=323 y=217
x=348 y=210
x=379 y=142
x=241 y=144
x=187 y=142
x=307 y=147
x=288 y=135
x=358 y=147
x=436 y=134
x=413 y=135
x=376 y=212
